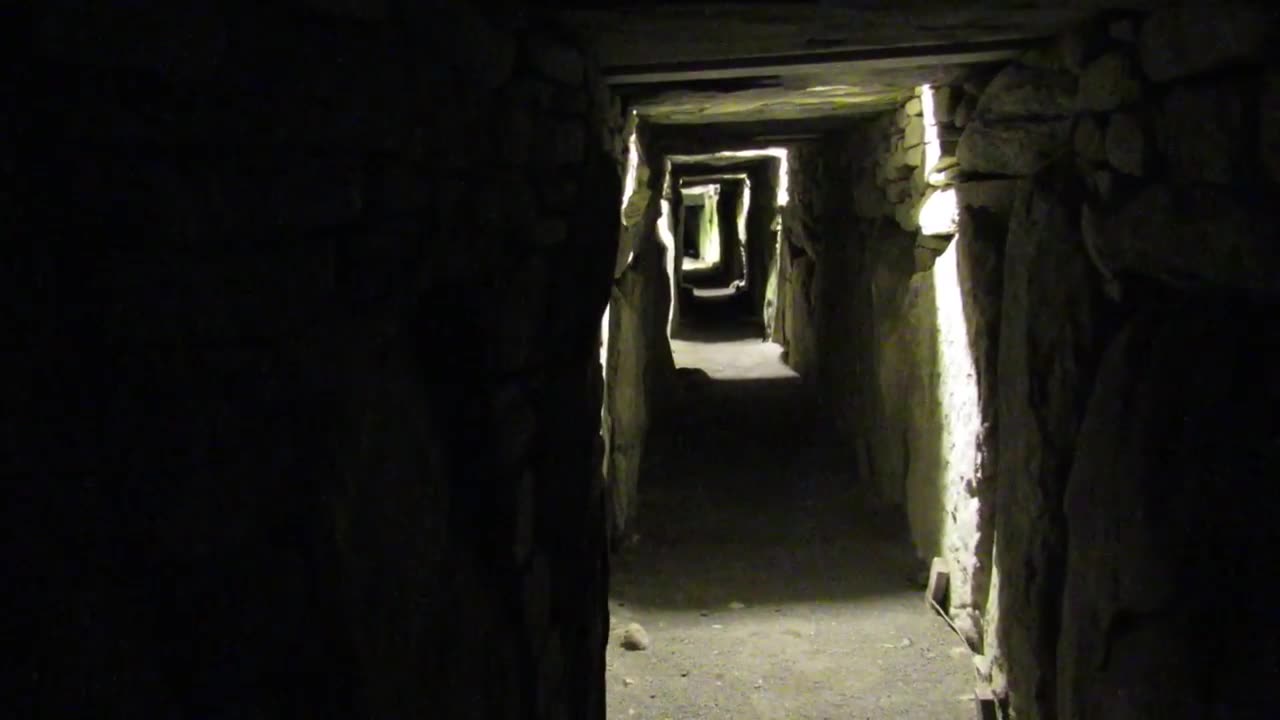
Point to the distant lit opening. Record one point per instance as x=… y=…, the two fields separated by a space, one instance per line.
x=702 y=227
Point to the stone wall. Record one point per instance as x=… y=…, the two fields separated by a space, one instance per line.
x=731 y=246
x=893 y=325
x=638 y=350
x=1111 y=245
x=305 y=419
x=799 y=250
x=639 y=365
x=1140 y=126
x=1169 y=508
x=762 y=237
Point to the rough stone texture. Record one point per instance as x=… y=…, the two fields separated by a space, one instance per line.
x=1183 y=216
x=1108 y=83
x=1202 y=132
x=309 y=428
x=964 y=112
x=1090 y=141
x=306 y=410
x=762 y=233
x=802 y=240
x=945 y=102
x=1128 y=143
x=1049 y=342
x=1020 y=92
x=1168 y=510
x=893 y=341
x=1013 y=148
x=913 y=157
x=798 y=312
x=1020 y=123
x=634 y=637
x=905 y=215
x=1102 y=184
x=869 y=200
x=995 y=195
x=637 y=319
x=913 y=135
x=1181 y=41
x=1193 y=237
x=638 y=362
x=951 y=343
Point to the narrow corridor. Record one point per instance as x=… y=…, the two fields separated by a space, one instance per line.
x=341 y=376
x=763 y=591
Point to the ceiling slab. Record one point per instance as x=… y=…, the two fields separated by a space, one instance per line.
x=695 y=63
x=657 y=33
x=693 y=142
x=695 y=180
x=843 y=83
x=867 y=61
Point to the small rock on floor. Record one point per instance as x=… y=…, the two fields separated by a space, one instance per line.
x=635 y=638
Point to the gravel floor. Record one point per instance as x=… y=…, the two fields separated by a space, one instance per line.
x=765 y=587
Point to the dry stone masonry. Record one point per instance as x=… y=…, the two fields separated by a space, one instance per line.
x=1115 y=179
x=311 y=416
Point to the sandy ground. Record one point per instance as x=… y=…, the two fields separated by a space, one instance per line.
x=766 y=588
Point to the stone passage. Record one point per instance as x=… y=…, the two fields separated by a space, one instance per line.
x=765 y=585
x=967 y=270
x=339 y=346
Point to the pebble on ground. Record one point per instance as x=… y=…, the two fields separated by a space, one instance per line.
x=635 y=638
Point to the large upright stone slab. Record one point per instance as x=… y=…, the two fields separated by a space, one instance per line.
x=1170 y=510
x=1049 y=343
x=1194 y=237
x=1012 y=148
x=1127 y=146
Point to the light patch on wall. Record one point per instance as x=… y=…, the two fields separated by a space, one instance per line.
x=669 y=242
x=961 y=428
x=743 y=208
x=604 y=338
x=939 y=213
x=932 y=145
x=633 y=165
x=784 y=194
x=956 y=390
